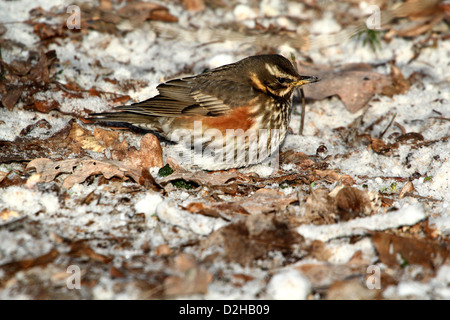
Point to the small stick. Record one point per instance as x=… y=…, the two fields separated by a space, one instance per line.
x=302 y=116
x=388 y=126
x=302 y=95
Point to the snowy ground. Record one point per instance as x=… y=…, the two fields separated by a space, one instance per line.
x=132 y=242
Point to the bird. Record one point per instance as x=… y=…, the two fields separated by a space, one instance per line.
x=232 y=116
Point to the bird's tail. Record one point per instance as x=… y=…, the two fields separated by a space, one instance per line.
x=124 y=118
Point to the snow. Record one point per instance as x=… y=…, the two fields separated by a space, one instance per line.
x=437 y=288
x=141 y=55
x=28 y=201
x=169 y=212
x=288 y=285
x=406 y=216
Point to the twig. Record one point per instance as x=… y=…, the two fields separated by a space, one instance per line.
x=402 y=128
x=302 y=116
x=302 y=95
x=388 y=126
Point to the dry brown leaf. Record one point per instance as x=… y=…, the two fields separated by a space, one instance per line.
x=116 y=273
x=163 y=250
x=352 y=203
x=11 y=97
x=80 y=138
x=399 y=84
x=407 y=188
x=352 y=289
x=82 y=249
x=324 y=274
x=15 y=266
x=201 y=178
x=107 y=137
x=320 y=207
x=141 y=11
x=253 y=238
x=299 y=158
x=379 y=146
x=3 y=175
x=193 y=279
x=354 y=83
x=8 y=215
x=24 y=79
x=194 y=5
x=423 y=16
x=333 y=175
x=397 y=251
x=46 y=31
x=149 y=155
x=267 y=200
x=263 y=201
x=80 y=169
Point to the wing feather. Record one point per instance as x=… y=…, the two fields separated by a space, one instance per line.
x=200 y=95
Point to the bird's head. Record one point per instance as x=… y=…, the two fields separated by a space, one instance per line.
x=274 y=74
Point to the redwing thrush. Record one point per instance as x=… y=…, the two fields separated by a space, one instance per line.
x=229 y=117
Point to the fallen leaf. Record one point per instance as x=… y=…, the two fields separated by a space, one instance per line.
x=323 y=275
x=194 y=5
x=80 y=138
x=352 y=289
x=82 y=249
x=15 y=266
x=263 y=201
x=3 y=175
x=193 y=279
x=141 y=11
x=46 y=31
x=398 y=251
x=423 y=16
x=299 y=158
x=407 y=188
x=163 y=250
x=352 y=202
x=6 y=215
x=320 y=207
x=253 y=238
x=267 y=200
x=333 y=175
x=107 y=137
x=11 y=97
x=80 y=169
x=379 y=146
x=149 y=154
x=399 y=84
x=354 y=83
x=201 y=177
x=116 y=273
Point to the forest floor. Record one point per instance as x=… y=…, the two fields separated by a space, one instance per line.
x=356 y=207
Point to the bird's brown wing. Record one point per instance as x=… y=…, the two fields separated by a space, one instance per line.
x=192 y=96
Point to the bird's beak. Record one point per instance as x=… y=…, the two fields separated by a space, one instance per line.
x=304 y=80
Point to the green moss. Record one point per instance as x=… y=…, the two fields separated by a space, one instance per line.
x=183 y=184
x=165 y=171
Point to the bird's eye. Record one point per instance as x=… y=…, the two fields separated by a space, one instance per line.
x=283 y=80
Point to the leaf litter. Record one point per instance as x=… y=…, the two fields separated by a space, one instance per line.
x=351 y=187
